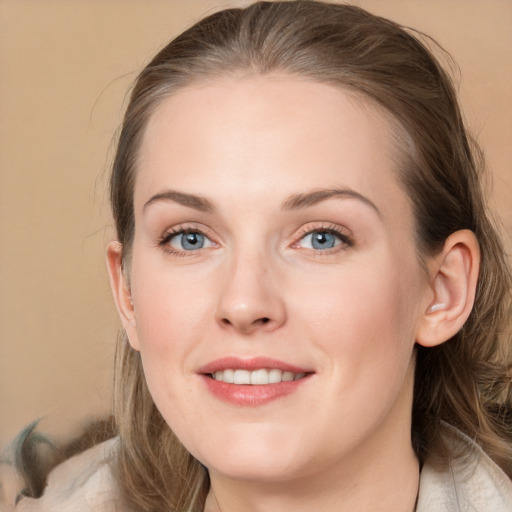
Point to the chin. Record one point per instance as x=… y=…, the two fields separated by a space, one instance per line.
x=256 y=468
x=254 y=458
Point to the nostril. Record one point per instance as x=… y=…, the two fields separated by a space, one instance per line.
x=245 y=324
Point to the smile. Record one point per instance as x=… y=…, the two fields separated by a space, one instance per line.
x=257 y=377
x=253 y=382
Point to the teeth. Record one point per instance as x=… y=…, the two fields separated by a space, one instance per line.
x=287 y=376
x=242 y=377
x=256 y=377
x=274 y=376
x=259 y=377
x=228 y=376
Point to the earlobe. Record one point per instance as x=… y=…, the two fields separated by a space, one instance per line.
x=453 y=281
x=121 y=291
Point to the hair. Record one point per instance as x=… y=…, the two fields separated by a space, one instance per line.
x=465 y=382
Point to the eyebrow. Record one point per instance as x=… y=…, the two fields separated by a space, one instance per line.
x=294 y=202
x=299 y=201
x=189 y=200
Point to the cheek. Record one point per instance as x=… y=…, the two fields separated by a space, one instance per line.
x=168 y=326
x=365 y=324
x=170 y=306
x=364 y=318
x=171 y=322
x=175 y=309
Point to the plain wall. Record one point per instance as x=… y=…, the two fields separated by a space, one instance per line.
x=64 y=69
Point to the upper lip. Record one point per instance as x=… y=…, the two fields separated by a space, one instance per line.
x=253 y=363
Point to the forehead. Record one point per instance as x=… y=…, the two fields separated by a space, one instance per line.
x=263 y=134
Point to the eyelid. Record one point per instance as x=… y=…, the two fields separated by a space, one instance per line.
x=344 y=234
x=174 y=231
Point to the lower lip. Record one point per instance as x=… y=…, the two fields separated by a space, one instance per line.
x=243 y=394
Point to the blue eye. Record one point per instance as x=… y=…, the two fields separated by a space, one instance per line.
x=322 y=239
x=189 y=241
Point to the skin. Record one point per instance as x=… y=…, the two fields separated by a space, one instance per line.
x=350 y=314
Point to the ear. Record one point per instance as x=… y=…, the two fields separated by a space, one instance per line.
x=121 y=291
x=453 y=281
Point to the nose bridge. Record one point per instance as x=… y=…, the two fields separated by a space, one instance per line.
x=250 y=298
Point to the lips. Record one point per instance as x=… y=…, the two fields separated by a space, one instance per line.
x=254 y=381
x=254 y=363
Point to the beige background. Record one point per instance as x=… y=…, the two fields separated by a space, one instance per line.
x=64 y=68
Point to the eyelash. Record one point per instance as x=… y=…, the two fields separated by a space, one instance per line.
x=341 y=234
x=345 y=239
x=165 y=239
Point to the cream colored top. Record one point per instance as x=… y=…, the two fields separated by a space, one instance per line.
x=85 y=483
x=470 y=483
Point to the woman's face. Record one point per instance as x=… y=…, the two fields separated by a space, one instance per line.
x=273 y=242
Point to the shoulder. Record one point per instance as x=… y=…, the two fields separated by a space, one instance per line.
x=82 y=483
x=471 y=482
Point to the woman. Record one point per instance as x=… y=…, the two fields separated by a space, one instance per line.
x=313 y=297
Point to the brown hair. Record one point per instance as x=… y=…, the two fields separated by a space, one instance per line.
x=466 y=381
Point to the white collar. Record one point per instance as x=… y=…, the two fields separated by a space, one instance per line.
x=469 y=482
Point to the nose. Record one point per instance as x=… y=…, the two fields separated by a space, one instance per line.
x=251 y=300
